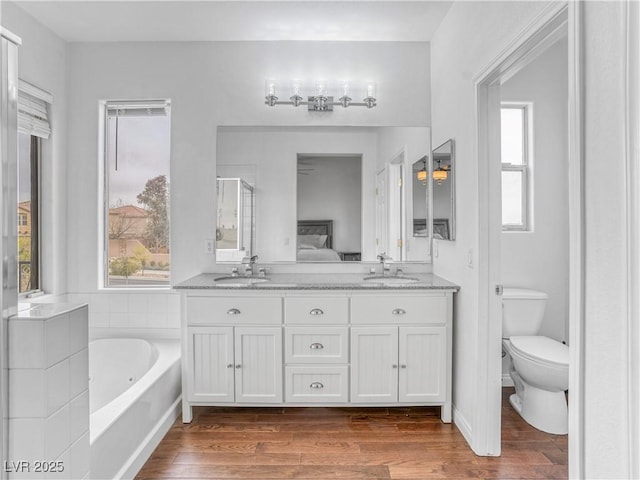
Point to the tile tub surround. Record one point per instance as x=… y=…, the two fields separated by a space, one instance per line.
x=48 y=390
x=319 y=281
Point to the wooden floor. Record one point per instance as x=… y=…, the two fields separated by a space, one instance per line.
x=346 y=443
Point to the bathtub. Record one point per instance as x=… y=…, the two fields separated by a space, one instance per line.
x=134 y=391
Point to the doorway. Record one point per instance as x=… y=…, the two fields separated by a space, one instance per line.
x=558 y=21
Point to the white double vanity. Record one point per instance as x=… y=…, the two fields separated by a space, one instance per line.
x=317 y=340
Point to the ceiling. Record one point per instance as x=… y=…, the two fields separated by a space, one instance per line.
x=239 y=20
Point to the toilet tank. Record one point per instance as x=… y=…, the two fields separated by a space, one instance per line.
x=522 y=311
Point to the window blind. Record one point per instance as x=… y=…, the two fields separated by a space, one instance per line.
x=32 y=110
x=147 y=108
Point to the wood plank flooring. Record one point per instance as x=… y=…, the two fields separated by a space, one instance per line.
x=346 y=443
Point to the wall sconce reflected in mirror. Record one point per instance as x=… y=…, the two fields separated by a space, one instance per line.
x=320 y=100
x=422 y=175
x=440 y=174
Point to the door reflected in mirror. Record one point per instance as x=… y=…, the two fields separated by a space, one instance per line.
x=443 y=174
x=329 y=208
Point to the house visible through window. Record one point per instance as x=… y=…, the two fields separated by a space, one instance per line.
x=515 y=166
x=137 y=188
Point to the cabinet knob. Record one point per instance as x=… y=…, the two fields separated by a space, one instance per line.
x=398 y=311
x=316 y=346
x=230 y=365
x=394 y=366
x=403 y=366
x=316 y=385
x=233 y=311
x=238 y=366
x=316 y=311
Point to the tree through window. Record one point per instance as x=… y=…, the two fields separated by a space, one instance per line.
x=137 y=187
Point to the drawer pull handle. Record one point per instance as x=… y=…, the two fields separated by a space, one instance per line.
x=398 y=311
x=316 y=385
x=394 y=366
x=316 y=311
x=316 y=346
x=233 y=311
x=403 y=366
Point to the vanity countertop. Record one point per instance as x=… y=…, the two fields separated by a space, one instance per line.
x=319 y=281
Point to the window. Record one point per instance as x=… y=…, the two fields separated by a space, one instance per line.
x=137 y=151
x=33 y=130
x=28 y=231
x=515 y=143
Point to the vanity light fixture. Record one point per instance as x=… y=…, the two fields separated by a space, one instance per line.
x=321 y=100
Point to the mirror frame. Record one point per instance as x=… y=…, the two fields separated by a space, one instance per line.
x=452 y=176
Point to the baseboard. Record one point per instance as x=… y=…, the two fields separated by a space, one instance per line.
x=507 y=381
x=149 y=444
x=463 y=425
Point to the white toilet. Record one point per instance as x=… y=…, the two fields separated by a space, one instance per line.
x=539 y=365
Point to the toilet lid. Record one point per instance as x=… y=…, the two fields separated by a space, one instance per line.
x=542 y=348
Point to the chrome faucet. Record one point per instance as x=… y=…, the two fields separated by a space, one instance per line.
x=248 y=263
x=384 y=261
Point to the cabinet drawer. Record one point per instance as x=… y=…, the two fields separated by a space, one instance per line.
x=316 y=344
x=234 y=310
x=323 y=310
x=317 y=384
x=431 y=309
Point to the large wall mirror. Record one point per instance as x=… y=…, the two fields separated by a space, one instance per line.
x=444 y=195
x=330 y=194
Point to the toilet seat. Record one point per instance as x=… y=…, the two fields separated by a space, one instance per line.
x=542 y=350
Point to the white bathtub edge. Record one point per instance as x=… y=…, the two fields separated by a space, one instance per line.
x=138 y=458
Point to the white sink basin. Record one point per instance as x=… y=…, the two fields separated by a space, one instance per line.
x=390 y=280
x=240 y=280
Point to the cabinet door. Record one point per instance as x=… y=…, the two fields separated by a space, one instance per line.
x=423 y=367
x=374 y=364
x=258 y=364
x=211 y=366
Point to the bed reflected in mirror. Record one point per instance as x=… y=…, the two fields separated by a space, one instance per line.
x=329 y=197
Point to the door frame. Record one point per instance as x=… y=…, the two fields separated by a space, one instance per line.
x=632 y=154
x=534 y=39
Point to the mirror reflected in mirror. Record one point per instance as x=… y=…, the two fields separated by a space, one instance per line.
x=443 y=174
x=420 y=182
x=235 y=219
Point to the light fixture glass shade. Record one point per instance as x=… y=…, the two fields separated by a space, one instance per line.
x=371 y=90
x=321 y=88
x=296 y=87
x=370 y=99
x=440 y=176
x=270 y=92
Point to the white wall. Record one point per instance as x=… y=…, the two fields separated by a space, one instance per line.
x=42 y=60
x=539 y=259
x=606 y=371
x=470 y=37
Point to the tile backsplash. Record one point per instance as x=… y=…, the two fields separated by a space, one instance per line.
x=147 y=311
